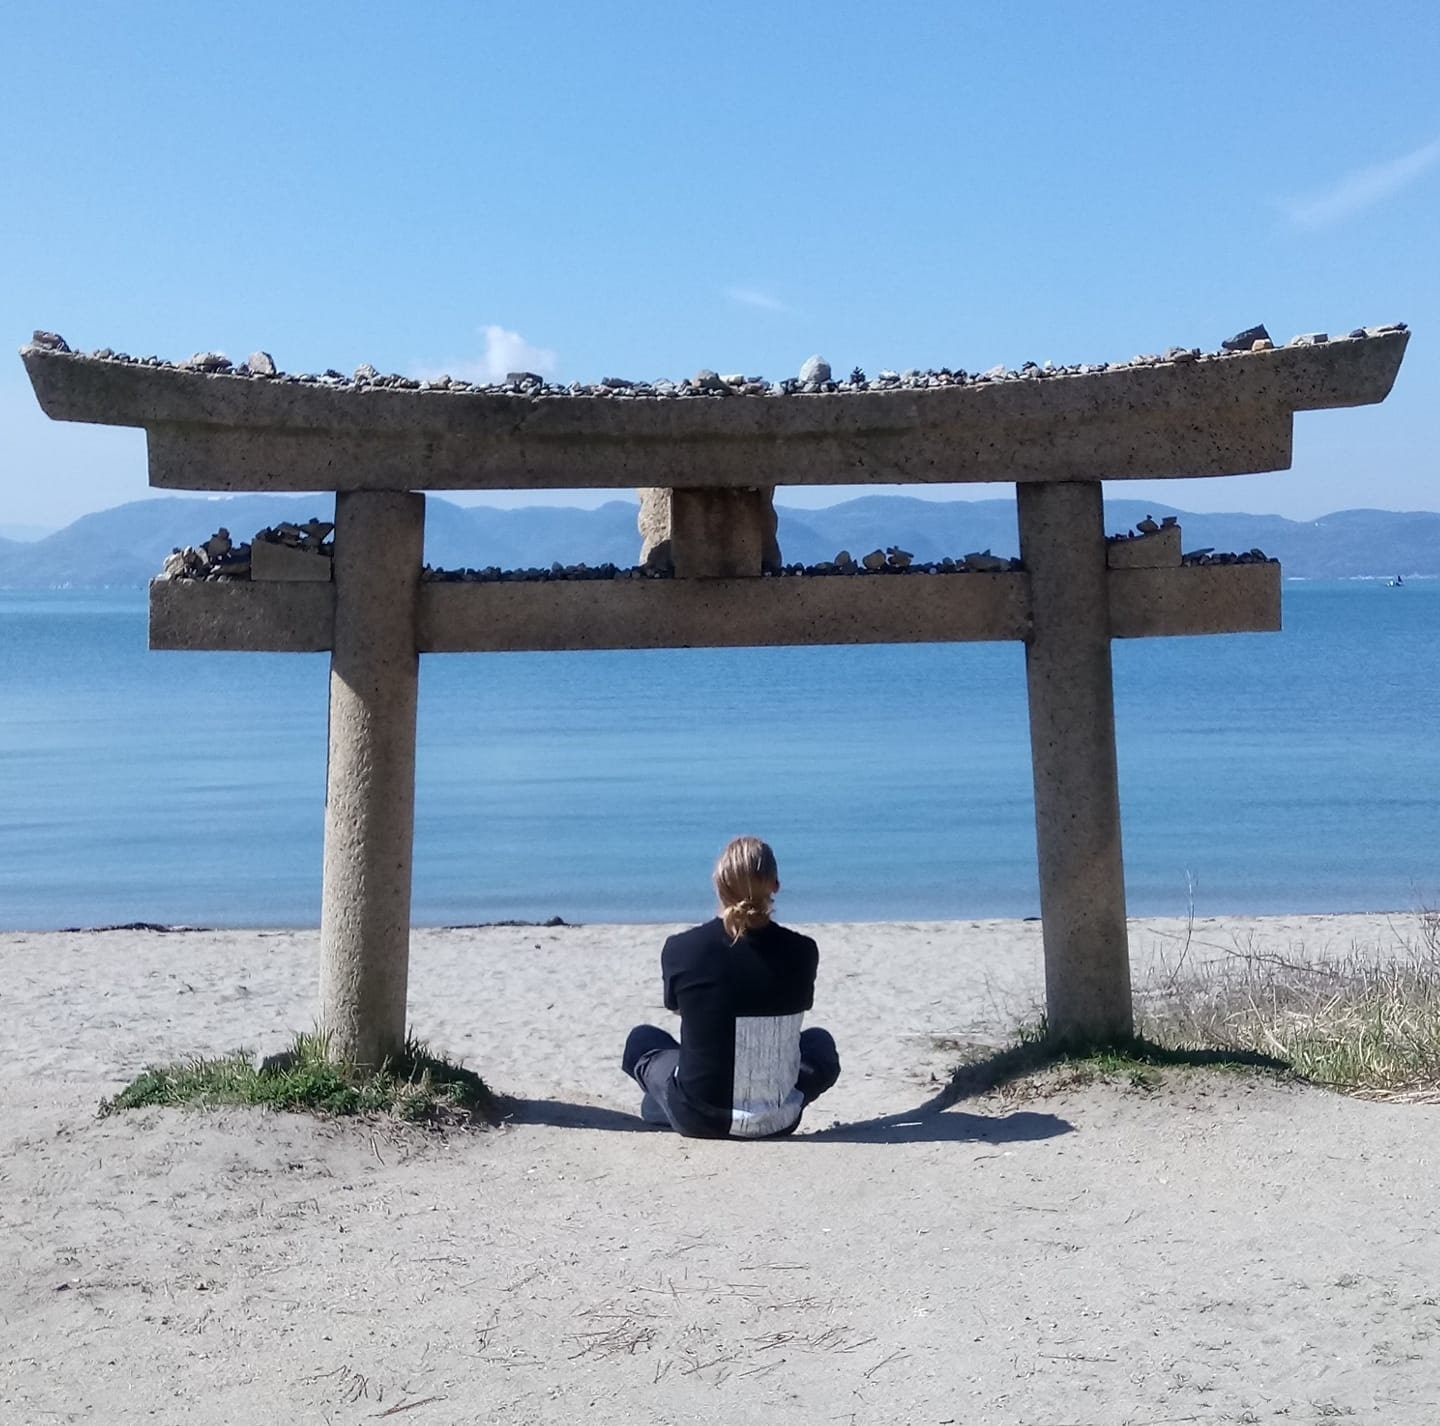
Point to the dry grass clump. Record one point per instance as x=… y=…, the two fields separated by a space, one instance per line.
x=1364 y=1021
x=1365 y=1024
x=415 y=1086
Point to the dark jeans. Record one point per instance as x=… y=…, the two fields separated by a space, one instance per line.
x=652 y=1054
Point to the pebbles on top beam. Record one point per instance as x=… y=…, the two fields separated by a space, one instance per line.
x=213 y=426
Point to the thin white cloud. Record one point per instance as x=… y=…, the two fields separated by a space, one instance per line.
x=754 y=297
x=1363 y=188
x=505 y=351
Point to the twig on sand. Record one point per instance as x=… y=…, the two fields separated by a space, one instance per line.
x=767 y=1367
x=406 y=1406
x=713 y=1362
x=885 y=1361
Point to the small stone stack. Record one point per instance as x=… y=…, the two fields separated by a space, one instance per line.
x=1148 y=546
x=881 y=563
x=293 y=552
x=1152 y=545
x=217 y=558
x=284 y=552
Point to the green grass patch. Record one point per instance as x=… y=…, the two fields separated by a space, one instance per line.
x=1036 y=1062
x=414 y=1086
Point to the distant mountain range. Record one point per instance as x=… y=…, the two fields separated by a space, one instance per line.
x=125 y=547
x=25 y=532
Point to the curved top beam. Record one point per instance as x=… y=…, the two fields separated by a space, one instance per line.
x=1212 y=415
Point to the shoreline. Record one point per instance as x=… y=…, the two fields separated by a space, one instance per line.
x=169 y=928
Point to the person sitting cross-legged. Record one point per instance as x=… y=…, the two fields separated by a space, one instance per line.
x=741 y=984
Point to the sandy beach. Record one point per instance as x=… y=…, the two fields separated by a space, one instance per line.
x=1220 y=1249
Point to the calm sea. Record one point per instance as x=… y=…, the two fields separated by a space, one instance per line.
x=1290 y=772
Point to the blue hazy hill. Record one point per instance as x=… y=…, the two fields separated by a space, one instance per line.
x=126 y=546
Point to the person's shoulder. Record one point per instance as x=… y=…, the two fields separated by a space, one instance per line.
x=694 y=936
x=795 y=940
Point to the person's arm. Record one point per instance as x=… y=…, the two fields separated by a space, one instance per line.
x=812 y=952
x=667 y=981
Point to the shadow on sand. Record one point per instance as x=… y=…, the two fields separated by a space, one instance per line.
x=936 y=1121
x=560 y=1114
x=930 y=1126
x=918 y=1126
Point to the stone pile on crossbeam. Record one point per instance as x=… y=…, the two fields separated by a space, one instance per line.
x=571 y=614
x=707 y=455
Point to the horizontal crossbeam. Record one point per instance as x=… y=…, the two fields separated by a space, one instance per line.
x=1111 y=446
x=1221 y=415
x=722 y=613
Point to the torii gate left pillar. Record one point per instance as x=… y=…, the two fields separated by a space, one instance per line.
x=370 y=778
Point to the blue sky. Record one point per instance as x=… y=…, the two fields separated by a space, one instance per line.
x=642 y=190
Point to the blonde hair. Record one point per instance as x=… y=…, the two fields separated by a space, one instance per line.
x=746 y=880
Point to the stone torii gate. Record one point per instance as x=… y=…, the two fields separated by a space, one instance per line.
x=375 y=442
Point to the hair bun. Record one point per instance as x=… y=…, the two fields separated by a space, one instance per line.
x=746 y=881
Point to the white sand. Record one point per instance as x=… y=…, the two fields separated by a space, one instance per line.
x=1220 y=1250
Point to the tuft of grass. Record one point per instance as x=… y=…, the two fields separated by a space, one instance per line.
x=414 y=1086
x=1137 y=1061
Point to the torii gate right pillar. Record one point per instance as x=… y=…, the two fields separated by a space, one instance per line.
x=1072 y=741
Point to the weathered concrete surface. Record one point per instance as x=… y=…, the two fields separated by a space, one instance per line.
x=1157 y=550
x=272 y=561
x=722 y=613
x=723 y=534
x=1218 y=416
x=1195 y=599
x=370 y=789
x=1143 y=444
x=238 y=616
x=1072 y=742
